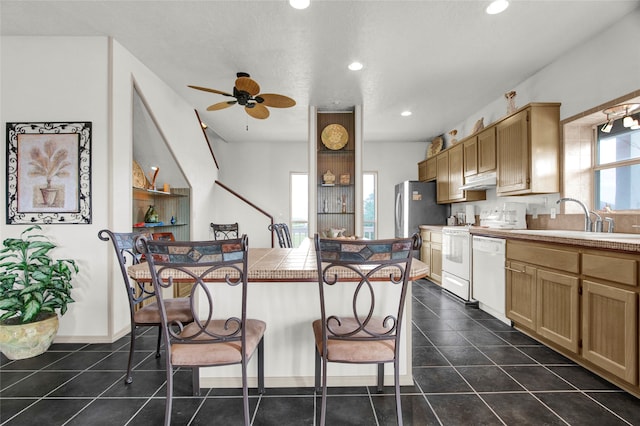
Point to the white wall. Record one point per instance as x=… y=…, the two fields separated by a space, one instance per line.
x=42 y=81
x=260 y=173
x=66 y=79
x=580 y=80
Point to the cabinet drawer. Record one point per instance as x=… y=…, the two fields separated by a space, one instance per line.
x=564 y=260
x=620 y=270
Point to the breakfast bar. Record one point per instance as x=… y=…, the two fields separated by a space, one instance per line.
x=283 y=292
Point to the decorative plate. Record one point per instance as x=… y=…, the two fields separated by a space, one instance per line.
x=334 y=136
x=139 y=178
x=435 y=147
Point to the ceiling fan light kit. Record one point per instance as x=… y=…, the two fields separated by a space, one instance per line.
x=246 y=92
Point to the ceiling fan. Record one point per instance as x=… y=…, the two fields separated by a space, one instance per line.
x=246 y=93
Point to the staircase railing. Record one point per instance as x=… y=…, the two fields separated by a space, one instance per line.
x=240 y=197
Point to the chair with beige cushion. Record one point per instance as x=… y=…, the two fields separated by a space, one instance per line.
x=221 y=333
x=143 y=308
x=363 y=286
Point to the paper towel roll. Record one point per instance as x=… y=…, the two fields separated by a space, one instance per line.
x=470 y=215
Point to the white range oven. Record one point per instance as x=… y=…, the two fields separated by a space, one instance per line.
x=456 y=261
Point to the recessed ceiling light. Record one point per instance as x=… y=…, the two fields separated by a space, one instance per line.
x=405 y=113
x=355 y=66
x=299 y=4
x=497 y=6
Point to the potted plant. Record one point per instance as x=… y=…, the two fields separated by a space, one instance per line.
x=33 y=286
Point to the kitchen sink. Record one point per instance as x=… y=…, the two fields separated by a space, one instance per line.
x=561 y=233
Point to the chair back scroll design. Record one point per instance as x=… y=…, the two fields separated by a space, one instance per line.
x=221 y=333
x=282 y=232
x=366 y=328
x=225 y=231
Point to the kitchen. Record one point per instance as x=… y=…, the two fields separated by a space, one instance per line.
x=26 y=98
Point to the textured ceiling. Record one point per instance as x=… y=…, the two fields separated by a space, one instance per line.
x=443 y=60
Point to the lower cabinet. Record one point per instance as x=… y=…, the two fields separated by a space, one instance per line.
x=581 y=302
x=609 y=329
x=431 y=253
x=558 y=308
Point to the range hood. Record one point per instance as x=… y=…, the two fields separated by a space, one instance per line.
x=479 y=182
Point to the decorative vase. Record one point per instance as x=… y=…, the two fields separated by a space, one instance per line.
x=22 y=341
x=151 y=216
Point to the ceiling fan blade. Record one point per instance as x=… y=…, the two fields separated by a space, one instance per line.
x=206 y=89
x=221 y=105
x=248 y=85
x=276 y=101
x=257 y=111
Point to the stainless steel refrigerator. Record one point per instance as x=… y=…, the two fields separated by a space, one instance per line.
x=416 y=205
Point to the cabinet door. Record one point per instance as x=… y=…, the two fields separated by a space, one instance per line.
x=436 y=263
x=512 y=137
x=486 y=150
x=442 y=187
x=432 y=169
x=456 y=172
x=422 y=171
x=471 y=157
x=558 y=313
x=425 y=249
x=609 y=329
x=521 y=294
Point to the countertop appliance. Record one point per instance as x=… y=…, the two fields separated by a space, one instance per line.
x=489 y=276
x=416 y=205
x=456 y=261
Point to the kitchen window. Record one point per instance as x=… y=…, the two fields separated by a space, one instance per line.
x=617 y=169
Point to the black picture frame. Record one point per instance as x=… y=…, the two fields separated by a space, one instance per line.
x=49 y=173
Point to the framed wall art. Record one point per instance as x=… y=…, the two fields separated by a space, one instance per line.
x=49 y=173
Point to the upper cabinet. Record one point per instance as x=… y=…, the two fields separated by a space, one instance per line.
x=523 y=149
x=450 y=177
x=427 y=170
x=528 y=147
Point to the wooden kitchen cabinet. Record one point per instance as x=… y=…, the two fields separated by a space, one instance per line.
x=609 y=329
x=427 y=170
x=528 y=148
x=610 y=313
x=450 y=177
x=480 y=153
x=431 y=253
x=543 y=300
x=558 y=308
x=521 y=294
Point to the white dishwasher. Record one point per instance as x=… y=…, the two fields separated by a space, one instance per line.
x=488 y=284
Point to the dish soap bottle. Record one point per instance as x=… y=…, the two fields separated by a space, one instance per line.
x=151 y=216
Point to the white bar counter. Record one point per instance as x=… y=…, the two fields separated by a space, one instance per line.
x=283 y=292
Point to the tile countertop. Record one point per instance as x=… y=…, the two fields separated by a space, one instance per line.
x=280 y=264
x=598 y=240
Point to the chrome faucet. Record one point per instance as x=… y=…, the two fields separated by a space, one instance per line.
x=587 y=219
x=609 y=220
x=598 y=223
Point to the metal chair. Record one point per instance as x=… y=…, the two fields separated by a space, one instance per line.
x=282 y=232
x=354 y=329
x=143 y=310
x=229 y=337
x=225 y=231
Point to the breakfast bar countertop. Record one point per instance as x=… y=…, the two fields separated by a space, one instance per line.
x=282 y=265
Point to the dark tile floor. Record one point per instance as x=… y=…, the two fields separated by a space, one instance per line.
x=469 y=369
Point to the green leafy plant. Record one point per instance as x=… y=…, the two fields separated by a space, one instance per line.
x=32 y=284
